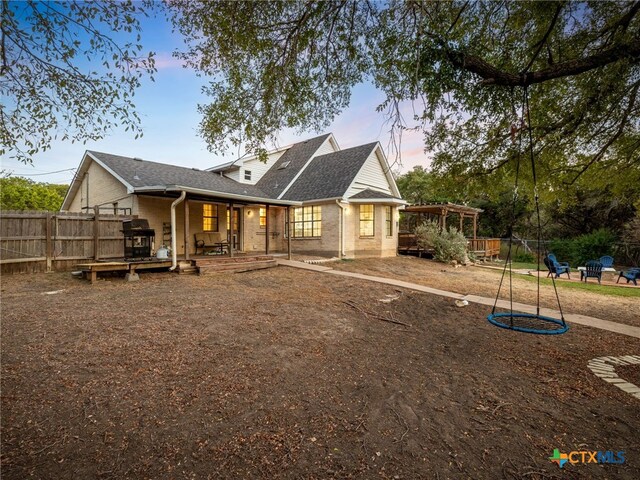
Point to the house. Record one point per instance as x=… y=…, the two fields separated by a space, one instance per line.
x=341 y=203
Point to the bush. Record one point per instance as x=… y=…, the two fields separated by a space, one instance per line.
x=447 y=245
x=579 y=250
x=523 y=257
x=594 y=245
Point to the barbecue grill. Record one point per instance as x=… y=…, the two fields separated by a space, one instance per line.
x=138 y=238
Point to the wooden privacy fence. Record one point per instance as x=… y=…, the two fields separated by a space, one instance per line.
x=55 y=241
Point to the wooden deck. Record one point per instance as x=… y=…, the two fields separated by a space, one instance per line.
x=480 y=247
x=91 y=270
x=202 y=265
x=484 y=247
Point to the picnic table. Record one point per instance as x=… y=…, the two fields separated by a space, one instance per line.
x=604 y=269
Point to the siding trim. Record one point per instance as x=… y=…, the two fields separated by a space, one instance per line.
x=377 y=149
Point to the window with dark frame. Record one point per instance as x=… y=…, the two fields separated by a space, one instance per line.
x=209 y=217
x=367 y=220
x=389 y=220
x=307 y=221
x=247 y=174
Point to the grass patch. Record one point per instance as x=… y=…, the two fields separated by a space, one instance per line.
x=527 y=266
x=608 y=290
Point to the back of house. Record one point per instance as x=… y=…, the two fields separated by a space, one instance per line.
x=332 y=202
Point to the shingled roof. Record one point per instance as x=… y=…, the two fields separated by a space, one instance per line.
x=281 y=174
x=142 y=173
x=330 y=175
x=368 y=193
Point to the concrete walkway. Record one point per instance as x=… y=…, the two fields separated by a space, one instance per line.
x=620 y=328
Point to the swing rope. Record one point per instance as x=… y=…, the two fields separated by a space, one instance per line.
x=523 y=322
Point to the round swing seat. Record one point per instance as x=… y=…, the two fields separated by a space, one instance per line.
x=528 y=323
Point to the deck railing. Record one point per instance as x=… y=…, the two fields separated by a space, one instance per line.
x=481 y=247
x=484 y=247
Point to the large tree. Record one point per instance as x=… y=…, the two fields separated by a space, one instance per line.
x=464 y=65
x=68 y=70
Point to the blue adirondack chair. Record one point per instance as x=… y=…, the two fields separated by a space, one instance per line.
x=606 y=261
x=556 y=267
x=593 y=269
x=632 y=275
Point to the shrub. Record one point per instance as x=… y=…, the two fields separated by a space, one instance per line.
x=523 y=257
x=563 y=249
x=447 y=245
x=579 y=250
x=593 y=245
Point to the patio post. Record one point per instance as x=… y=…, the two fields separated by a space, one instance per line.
x=461 y=223
x=266 y=230
x=475 y=225
x=230 y=217
x=289 y=233
x=186 y=229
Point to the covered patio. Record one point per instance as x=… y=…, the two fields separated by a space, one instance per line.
x=199 y=224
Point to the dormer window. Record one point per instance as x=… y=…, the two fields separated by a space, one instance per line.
x=247 y=174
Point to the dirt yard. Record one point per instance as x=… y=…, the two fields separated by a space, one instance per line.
x=284 y=373
x=484 y=281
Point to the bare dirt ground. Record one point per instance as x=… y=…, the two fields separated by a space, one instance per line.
x=284 y=373
x=475 y=280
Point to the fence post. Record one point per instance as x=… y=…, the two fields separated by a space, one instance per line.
x=96 y=233
x=48 y=249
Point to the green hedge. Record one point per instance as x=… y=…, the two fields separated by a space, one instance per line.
x=591 y=246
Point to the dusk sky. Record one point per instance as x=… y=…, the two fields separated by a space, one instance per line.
x=168 y=112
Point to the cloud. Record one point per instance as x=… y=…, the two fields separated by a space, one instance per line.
x=166 y=61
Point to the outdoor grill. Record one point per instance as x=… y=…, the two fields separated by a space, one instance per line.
x=138 y=238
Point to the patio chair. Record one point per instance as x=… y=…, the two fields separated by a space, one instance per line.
x=556 y=267
x=632 y=275
x=593 y=269
x=606 y=261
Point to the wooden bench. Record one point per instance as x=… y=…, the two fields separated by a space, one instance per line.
x=213 y=240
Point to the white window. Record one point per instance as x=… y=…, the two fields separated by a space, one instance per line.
x=307 y=221
x=367 y=220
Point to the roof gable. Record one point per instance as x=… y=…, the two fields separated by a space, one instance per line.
x=376 y=175
x=289 y=166
x=329 y=176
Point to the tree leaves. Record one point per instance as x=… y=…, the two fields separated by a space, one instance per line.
x=51 y=83
x=19 y=193
x=279 y=65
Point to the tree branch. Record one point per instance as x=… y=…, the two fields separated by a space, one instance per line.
x=605 y=147
x=542 y=42
x=492 y=75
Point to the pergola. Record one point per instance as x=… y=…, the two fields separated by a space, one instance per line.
x=442 y=210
